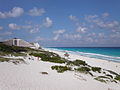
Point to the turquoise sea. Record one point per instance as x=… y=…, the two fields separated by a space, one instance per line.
x=106 y=53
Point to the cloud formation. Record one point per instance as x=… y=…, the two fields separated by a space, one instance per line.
x=15 y=12
x=81 y=29
x=36 y=11
x=61 y=31
x=72 y=36
x=14 y=26
x=33 y=28
x=58 y=33
x=101 y=23
x=47 y=22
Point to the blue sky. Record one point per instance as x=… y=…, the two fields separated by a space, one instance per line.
x=62 y=23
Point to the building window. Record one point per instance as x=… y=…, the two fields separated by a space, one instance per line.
x=15 y=42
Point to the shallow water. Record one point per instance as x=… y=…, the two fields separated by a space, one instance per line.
x=106 y=53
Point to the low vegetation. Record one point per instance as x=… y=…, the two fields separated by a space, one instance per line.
x=105 y=79
x=83 y=69
x=109 y=76
x=117 y=77
x=101 y=80
x=96 y=69
x=4 y=59
x=15 y=61
x=61 y=69
x=114 y=73
x=77 y=63
x=49 y=56
x=14 y=50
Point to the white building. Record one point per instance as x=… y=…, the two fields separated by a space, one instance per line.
x=21 y=43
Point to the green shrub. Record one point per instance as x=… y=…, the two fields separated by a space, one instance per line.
x=83 y=69
x=109 y=76
x=69 y=63
x=112 y=72
x=5 y=49
x=103 y=77
x=61 y=69
x=77 y=63
x=117 y=77
x=96 y=69
x=4 y=59
x=101 y=80
x=18 y=54
x=15 y=61
x=48 y=56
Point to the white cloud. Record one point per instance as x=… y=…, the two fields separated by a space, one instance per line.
x=34 y=30
x=81 y=29
x=15 y=12
x=61 y=31
x=115 y=35
x=72 y=36
x=90 y=17
x=107 y=24
x=73 y=18
x=58 y=33
x=13 y=26
x=36 y=11
x=1 y=28
x=104 y=15
x=56 y=37
x=48 y=22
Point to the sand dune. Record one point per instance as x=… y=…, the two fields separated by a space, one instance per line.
x=28 y=76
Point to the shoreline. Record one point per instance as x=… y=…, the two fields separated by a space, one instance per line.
x=106 y=64
x=76 y=53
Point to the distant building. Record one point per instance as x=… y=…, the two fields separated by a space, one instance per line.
x=21 y=43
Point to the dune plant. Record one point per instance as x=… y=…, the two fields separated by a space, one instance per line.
x=96 y=69
x=61 y=69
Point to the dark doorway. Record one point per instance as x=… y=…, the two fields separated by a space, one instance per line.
x=15 y=42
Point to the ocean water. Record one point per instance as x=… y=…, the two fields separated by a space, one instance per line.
x=106 y=53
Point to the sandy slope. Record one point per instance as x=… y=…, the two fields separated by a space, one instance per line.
x=28 y=76
x=115 y=66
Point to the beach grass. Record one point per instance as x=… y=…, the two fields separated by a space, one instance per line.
x=112 y=72
x=4 y=59
x=77 y=62
x=96 y=69
x=13 y=60
x=83 y=69
x=117 y=77
x=61 y=69
x=49 y=56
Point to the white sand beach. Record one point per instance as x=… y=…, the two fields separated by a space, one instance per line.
x=28 y=76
